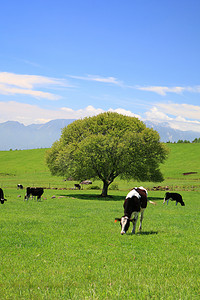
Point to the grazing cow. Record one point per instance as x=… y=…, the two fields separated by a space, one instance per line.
x=76 y=185
x=20 y=186
x=34 y=192
x=2 y=199
x=135 y=202
x=174 y=197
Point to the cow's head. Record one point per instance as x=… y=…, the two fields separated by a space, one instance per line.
x=2 y=201
x=124 y=222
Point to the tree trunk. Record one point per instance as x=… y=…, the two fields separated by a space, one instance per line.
x=104 y=192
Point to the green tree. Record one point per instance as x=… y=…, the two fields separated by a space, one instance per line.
x=106 y=146
x=196 y=140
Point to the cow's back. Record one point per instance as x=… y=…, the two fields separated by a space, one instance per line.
x=173 y=196
x=143 y=199
x=131 y=205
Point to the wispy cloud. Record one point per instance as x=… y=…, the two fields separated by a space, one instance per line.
x=12 y=84
x=97 y=78
x=163 y=90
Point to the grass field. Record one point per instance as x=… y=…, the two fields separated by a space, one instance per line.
x=68 y=246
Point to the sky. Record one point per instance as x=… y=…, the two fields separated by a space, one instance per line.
x=73 y=59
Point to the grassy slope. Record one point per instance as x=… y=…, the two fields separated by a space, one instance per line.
x=182 y=158
x=28 y=168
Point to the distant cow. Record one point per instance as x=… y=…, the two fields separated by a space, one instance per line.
x=77 y=185
x=135 y=202
x=20 y=186
x=174 y=197
x=34 y=192
x=2 y=199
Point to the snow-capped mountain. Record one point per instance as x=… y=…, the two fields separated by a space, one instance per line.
x=14 y=135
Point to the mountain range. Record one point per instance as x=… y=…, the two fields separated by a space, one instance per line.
x=15 y=135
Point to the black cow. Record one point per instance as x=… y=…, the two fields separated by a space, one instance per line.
x=34 y=192
x=135 y=202
x=20 y=186
x=174 y=197
x=77 y=185
x=2 y=199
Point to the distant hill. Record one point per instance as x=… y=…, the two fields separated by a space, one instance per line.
x=14 y=135
x=173 y=135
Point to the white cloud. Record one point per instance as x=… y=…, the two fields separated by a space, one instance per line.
x=178 y=116
x=163 y=90
x=185 y=125
x=155 y=115
x=8 y=90
x=185 y=110
x=29 y=114
x=12 y=84
x=124 y=112
x=98 y=78
x=89 y=111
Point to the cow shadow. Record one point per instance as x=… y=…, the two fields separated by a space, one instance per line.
x=143 y=233
x=147 y=232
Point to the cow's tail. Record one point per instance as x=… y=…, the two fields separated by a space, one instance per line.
x=152 y=202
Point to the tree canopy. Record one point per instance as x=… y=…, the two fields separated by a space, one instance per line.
x=106 y=146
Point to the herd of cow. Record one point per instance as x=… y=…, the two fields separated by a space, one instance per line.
x=135 y=203
x=34 y=192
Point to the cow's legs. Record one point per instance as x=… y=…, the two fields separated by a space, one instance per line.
x=167 y=201
x=176 y=202
x=141 y=218
x=27 y=197
x=164 y=201
x=135 y=217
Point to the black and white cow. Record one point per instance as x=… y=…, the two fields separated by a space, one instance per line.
x=34 y=192
x=20 y=186
x=174 y=197
x=2 y=199
x=135 y=203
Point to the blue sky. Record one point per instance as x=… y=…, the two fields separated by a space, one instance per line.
x=70 y=59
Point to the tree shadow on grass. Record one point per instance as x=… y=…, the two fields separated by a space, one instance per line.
x=93 y=197
x=100 y=198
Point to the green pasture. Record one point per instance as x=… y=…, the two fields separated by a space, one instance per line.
x=67 y=246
